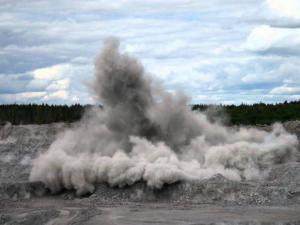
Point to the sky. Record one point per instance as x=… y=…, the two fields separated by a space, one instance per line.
x=216 y=51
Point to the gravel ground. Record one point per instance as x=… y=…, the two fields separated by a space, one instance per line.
x=274 y=200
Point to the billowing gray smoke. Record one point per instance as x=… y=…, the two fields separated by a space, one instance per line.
x=121 y=85
x=146 y=134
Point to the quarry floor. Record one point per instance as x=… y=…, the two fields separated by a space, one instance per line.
x=50 y=211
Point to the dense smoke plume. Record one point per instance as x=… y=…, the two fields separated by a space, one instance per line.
x=147 y=134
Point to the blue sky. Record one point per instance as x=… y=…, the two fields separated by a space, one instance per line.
x=217 y=51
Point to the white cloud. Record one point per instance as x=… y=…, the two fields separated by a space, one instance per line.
x=57 y=95
x=279 y=13
x=265 y=37
x=287 y=72
x=51 y=73
x=59 y=85
x=62 y=96
x=190 y=45
x=285 y=90
x=285 y=8
x=22 y=97
x=158 y=49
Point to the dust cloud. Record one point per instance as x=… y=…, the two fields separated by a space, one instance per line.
x=146 y=134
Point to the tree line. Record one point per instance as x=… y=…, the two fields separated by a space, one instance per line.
x=259 y=113
x=39 y=114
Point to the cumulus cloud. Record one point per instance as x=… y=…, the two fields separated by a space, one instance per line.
x=205 y=38
x=285 y=73
x=286 y=8
x=48 y=84
x=281 y=40
x=285 y=90
x=50 y=73
x=278 y=13
x=62 y=94
x=59 y=85
x=22 y=97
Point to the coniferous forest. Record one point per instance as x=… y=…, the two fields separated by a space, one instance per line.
x=259 y=113
x=40 y=114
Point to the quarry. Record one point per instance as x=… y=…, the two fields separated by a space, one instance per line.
x=146 y=158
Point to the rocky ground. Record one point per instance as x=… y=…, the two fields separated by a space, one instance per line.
x=274 y=200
